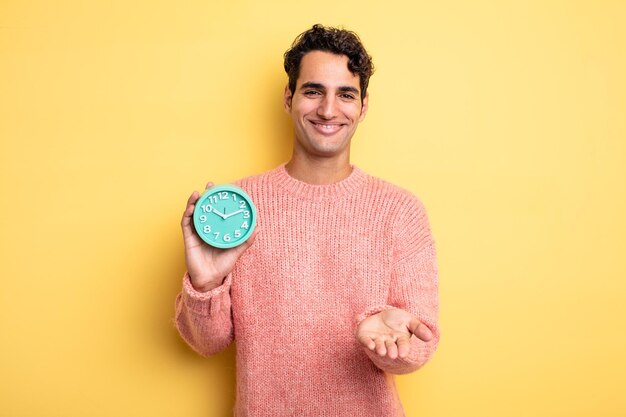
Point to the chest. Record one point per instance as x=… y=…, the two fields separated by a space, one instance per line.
x=329 y=261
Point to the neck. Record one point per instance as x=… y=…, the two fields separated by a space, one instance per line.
x=319 y=171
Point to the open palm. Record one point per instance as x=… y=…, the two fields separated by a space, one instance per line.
x=389 y=332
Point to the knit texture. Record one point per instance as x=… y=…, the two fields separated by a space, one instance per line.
x=325 y=257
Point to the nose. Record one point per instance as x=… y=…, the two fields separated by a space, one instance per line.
x=327 y=107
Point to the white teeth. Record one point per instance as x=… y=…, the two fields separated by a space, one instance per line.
x=327 y=128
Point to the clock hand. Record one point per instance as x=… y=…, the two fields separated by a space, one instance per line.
x=219 y=214
x=233 y=213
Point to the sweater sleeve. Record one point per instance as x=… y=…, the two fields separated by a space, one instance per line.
x=204 y=320
x=413 y=286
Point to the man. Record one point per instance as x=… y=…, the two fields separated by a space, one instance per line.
x=338 y=289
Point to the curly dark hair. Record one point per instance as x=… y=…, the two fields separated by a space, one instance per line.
x=336 y=41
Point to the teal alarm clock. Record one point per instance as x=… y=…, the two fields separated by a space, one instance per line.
x=224 y=216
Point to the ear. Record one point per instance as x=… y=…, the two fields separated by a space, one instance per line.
x=364 y=106
x=287 y=99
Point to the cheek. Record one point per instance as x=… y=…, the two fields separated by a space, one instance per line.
x=353 y=110
x=305 y=107
x=357 y=115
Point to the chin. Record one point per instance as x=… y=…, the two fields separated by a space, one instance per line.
x=328 y=152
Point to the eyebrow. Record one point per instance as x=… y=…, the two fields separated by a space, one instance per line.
x=318 y=86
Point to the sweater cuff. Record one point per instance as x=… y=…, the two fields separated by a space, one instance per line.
x=204 y=303
x=371 y=311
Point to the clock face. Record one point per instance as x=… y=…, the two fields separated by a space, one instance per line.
x=224 y=216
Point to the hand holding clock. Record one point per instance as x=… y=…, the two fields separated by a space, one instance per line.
x=389 y=332
x=207 y=265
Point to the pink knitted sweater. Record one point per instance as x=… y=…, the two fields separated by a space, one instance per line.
x=326 y=257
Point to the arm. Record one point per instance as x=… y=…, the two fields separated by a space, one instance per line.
x=402 y=335
x=204 y=319
x=203 y=308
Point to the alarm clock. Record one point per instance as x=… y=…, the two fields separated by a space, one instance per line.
x=224 y=216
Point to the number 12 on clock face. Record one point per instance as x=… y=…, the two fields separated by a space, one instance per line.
x=225 y=216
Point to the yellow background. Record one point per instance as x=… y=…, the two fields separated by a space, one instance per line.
x=506 y=118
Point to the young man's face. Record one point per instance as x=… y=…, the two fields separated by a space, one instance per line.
x=326 y=105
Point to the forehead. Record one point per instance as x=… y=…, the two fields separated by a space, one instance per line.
x=328 y=69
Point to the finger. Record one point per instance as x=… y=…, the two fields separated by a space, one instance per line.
x=192 y=199
x=367 y=342
x=209 y=185
x=191 y=202
x=381 y=349
x=420 y=330
x=392 y=349
x=404 y=346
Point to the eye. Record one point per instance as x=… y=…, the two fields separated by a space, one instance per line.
x=347 y=96
x=311 y=93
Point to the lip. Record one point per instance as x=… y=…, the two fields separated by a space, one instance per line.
x=326 y=128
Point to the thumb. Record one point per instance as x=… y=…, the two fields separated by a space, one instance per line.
x=420 y=330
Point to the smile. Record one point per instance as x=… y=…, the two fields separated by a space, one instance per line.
x=327 y=128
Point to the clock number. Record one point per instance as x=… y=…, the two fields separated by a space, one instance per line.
x=237 y=217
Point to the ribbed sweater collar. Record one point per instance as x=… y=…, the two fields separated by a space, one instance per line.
x=354 y=182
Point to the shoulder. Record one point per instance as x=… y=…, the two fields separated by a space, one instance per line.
x=406 y=212
x=393 y=194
